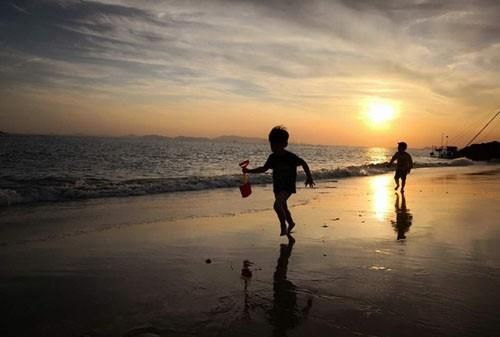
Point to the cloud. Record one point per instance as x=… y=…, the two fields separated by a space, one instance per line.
x=289 y=52
x=20 y=9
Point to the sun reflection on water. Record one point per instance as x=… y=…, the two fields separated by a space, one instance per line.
x=381 y=188
x=377 y=154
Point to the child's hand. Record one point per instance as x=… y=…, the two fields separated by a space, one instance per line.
x=309 y=182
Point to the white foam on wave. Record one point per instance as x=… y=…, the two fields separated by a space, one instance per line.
x=58 y=189
x=461 y=162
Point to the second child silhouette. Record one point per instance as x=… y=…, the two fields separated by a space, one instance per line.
x=403 y=166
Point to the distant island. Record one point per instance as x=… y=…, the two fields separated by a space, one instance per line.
x=222 y=139
x=225 y=139
x=218 y=139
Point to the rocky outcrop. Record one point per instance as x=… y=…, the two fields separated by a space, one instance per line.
x=484 y=151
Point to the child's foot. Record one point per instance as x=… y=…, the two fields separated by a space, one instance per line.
x=396 y=188
x=290 y=227
x=402 y=190
x=283 y=230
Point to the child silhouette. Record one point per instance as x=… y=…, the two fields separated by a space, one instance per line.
x=403 y=167
x=284 y=165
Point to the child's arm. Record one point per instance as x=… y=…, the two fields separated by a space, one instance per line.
x=411 y=163
x=305 y=167
x=260 y=169
x=393 y=159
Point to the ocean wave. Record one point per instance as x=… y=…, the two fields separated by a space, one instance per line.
x=52 y=189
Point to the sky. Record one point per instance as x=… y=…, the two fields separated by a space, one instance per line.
x=347 y=72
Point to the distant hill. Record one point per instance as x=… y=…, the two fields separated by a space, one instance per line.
x=150 y=137
x=222 y=139
x=191 y=139
x=238 y=139
x=219 y=139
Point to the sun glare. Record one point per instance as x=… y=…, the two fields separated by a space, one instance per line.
x=380 y=190
x=379 y=113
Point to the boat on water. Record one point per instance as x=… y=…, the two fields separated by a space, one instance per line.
x=445 y=152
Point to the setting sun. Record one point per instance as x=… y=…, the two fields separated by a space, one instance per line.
x=379 y=113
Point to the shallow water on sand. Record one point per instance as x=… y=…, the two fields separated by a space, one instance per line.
x=364 y=262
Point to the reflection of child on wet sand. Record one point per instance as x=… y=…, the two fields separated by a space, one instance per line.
x=403 y=166
x=403 y=218
x=284 y=165
x=285 y=313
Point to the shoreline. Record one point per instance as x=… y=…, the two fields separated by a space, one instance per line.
x=45 y=221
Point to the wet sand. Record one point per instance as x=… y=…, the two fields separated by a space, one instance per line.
x=364 y=261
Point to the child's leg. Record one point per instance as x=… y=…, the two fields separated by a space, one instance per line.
x=288 y=216
x=396 y=179
x=279 y=207
x=403 y=183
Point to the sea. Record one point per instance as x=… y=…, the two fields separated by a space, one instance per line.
x=44 y=169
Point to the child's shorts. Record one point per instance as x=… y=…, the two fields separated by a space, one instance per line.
x=400 y=174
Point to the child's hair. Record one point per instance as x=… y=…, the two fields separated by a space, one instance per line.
x=402 y=145
x=278 y=135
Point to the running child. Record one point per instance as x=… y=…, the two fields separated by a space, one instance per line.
x=284 y=165
x=403 y=166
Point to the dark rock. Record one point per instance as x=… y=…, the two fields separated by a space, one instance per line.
x=484 y=151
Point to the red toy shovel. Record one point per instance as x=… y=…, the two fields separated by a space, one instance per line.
x=245 y=187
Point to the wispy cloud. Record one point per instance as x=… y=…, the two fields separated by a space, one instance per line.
x=290 y=52
x=18 y=8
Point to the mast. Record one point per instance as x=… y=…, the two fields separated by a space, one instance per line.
x=484 y=127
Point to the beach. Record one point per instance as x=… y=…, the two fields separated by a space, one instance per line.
x=363 y=261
